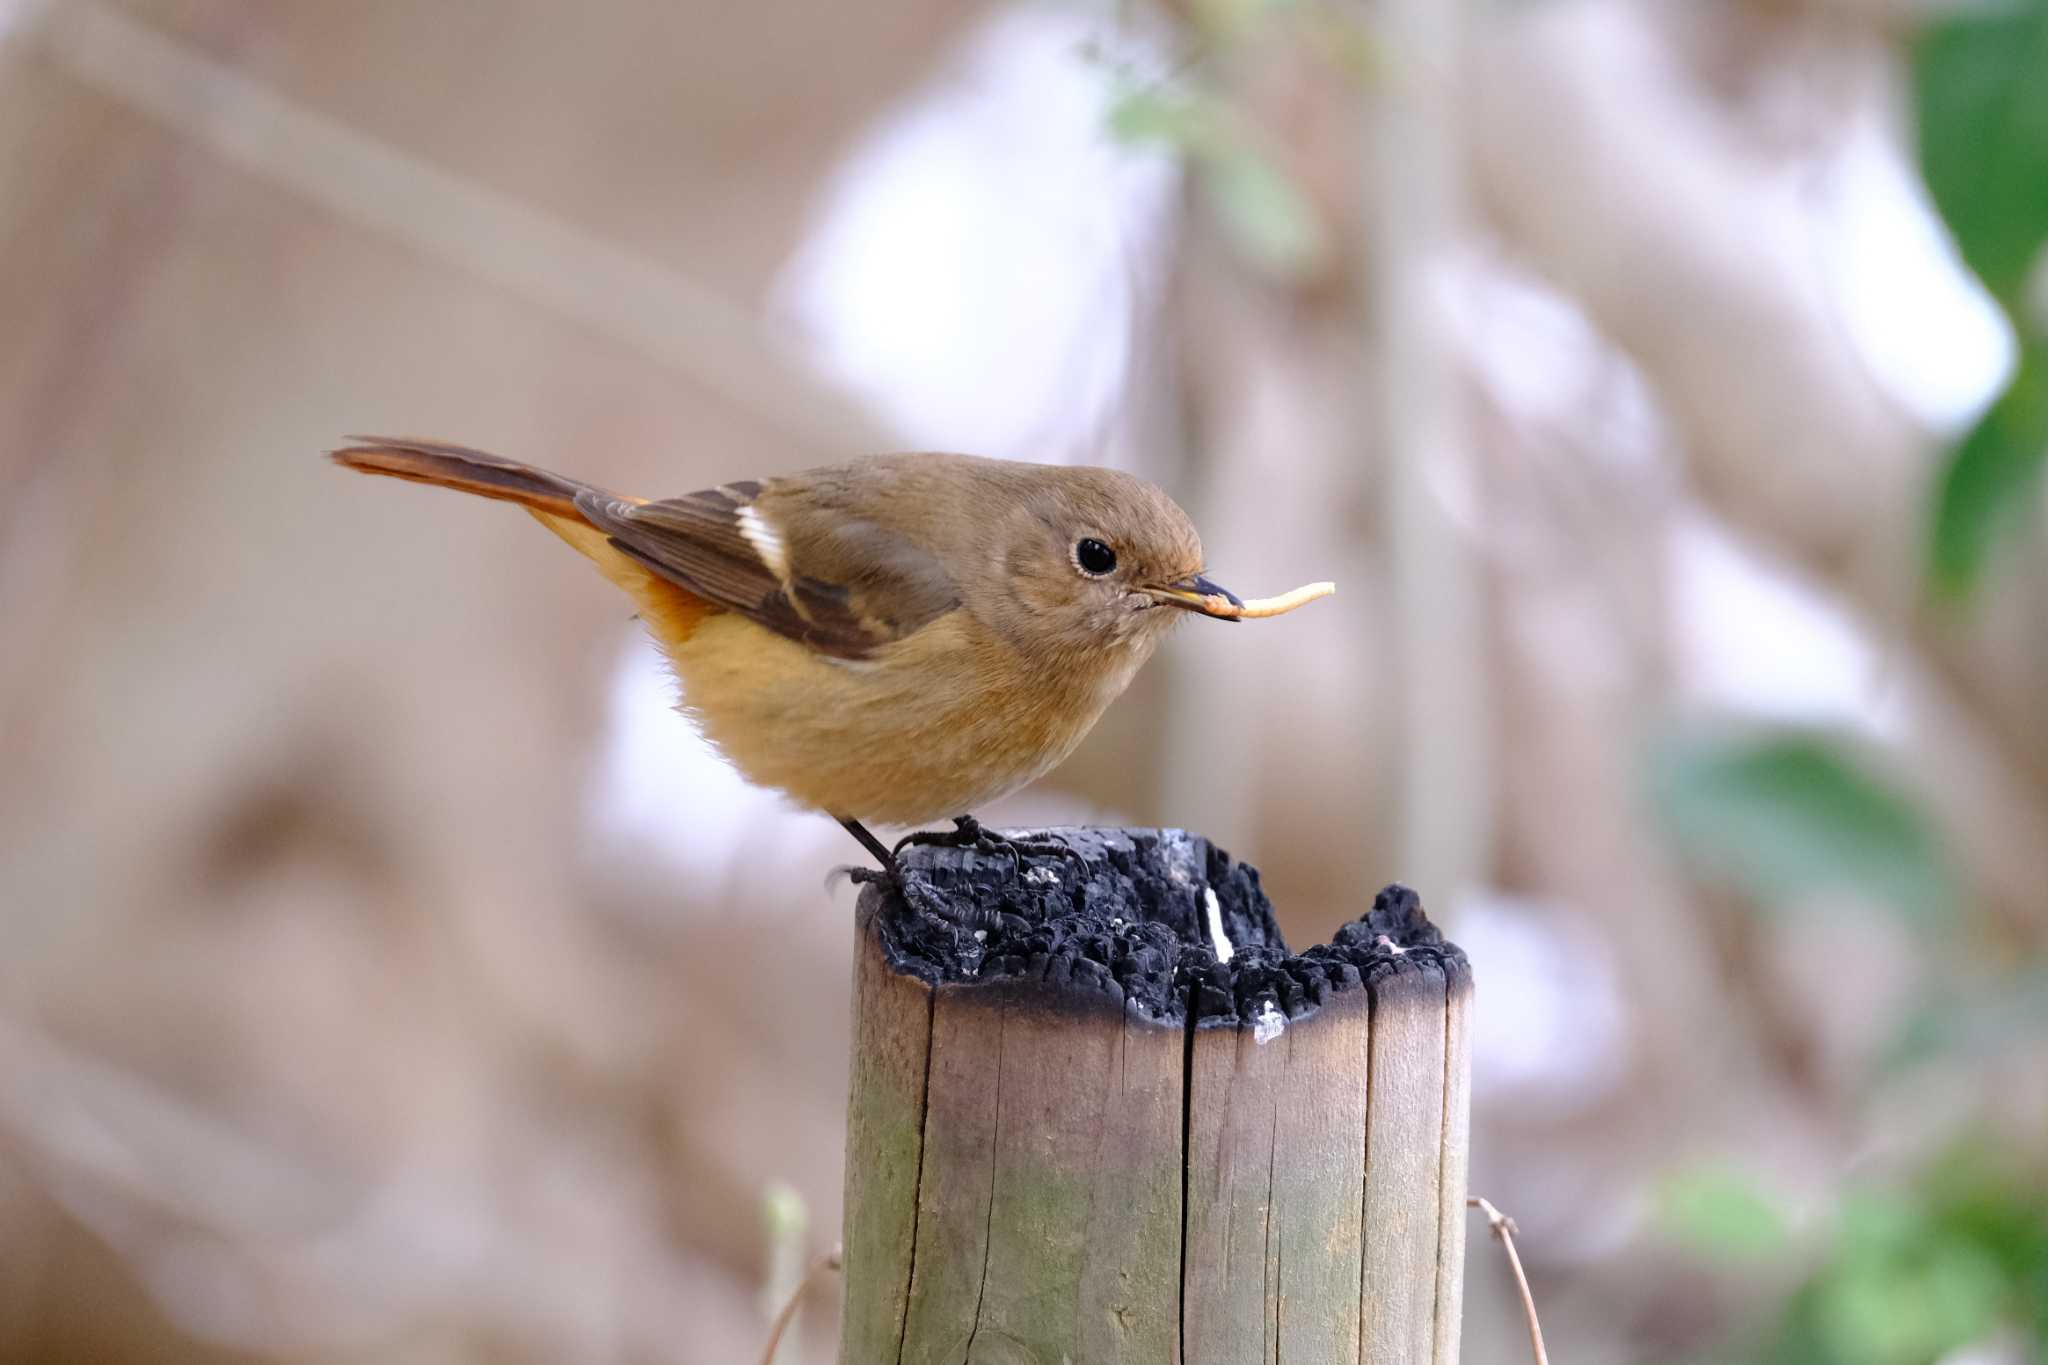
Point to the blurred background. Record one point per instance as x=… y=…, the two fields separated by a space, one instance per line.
x=388 y=974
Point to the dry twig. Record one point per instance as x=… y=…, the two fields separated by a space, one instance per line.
x=1504 y=1229
x=667 y=315
x=831 y=1260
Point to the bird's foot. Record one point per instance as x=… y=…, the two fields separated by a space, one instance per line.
x=923 y=897
x=968 y=832
x=969 y=924
x=912 y=891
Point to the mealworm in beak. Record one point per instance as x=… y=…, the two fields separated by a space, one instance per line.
x=1267 y=606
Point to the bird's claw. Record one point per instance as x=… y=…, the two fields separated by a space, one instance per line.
x=968 y=832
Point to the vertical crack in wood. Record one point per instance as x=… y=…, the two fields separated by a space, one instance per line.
x=1270 y=1268
x=995 y=1136
x=1123 y=1047
x=1187 y=1103
x=924 y=1147
x=1454 y=1155
x=1365 y=1175
x=1443 y=1168
x=1280 y=1276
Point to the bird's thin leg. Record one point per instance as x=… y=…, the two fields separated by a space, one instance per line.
x=873 y=845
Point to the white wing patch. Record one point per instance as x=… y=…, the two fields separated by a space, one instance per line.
x=765 y=541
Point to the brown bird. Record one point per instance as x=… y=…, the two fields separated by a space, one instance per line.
x=899 y=638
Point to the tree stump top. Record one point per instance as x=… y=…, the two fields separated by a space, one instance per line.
x=1159 y=923
x=1099 y=1113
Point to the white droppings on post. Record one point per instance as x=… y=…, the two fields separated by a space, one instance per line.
x=1267 y=1024
x=1221 y=940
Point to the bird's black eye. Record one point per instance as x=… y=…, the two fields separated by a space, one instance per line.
x=1094 y=557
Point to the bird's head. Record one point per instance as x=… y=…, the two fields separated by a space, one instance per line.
x=1098 y=558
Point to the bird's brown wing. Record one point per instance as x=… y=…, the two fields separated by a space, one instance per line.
x=840 y=584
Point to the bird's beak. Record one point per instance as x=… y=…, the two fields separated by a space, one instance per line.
x=1195 y=593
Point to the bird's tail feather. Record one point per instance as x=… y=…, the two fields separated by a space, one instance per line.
x=472 y=471
x=672 y=612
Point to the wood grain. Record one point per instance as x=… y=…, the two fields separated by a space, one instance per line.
x=892 y=1016
x=1403 y=1164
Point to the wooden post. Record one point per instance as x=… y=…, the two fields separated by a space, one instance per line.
x=1099 y=1115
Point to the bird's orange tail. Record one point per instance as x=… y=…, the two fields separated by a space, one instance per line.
x=671 y=611
x=472 y=471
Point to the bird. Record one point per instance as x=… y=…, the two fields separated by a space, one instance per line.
x=895 y=639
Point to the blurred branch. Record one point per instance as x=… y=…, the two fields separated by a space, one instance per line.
x=1414 y=210
x=303 y=1255
x=1504 y=1232
x=661 y=312
x=1607 y=168
x=1577 y=113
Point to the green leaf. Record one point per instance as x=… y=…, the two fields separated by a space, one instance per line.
x=1235 y=21
x=1268 y=218
x=1184 y=122
x=1994 y=1196
x=1982 y=105
x=1990 y=480
x=1911 y=1306
x=1981 y=97
x=1265 y=214
x=1987 y=1019
x=1788 y=813
x=1914 y=1271
x=1350 y=44
x=1720 y=1213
